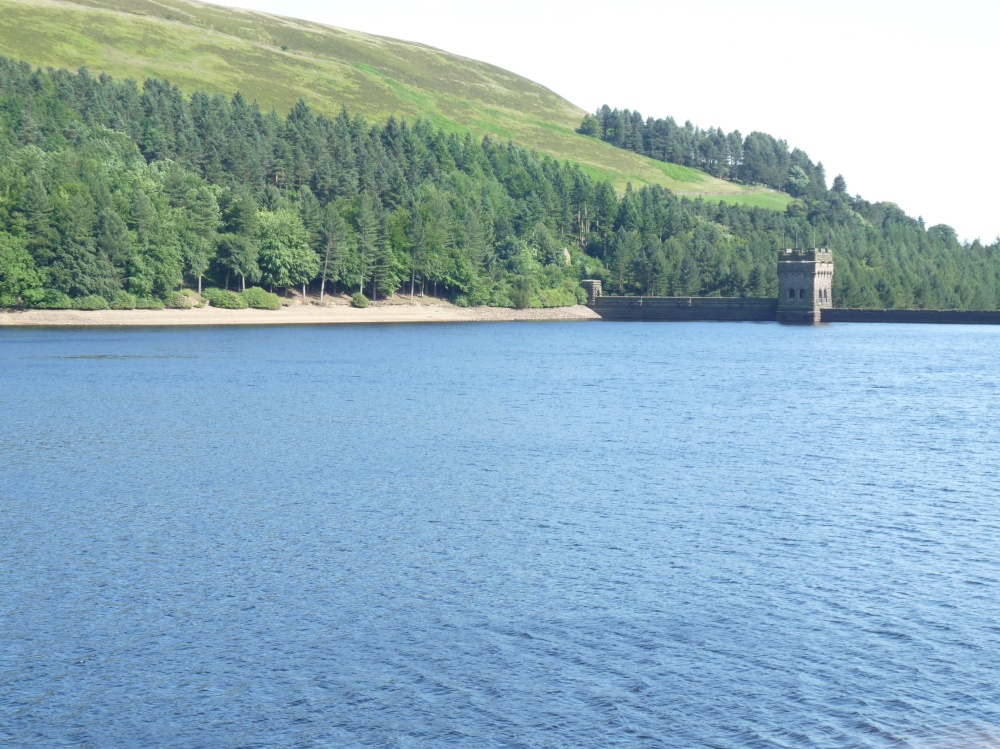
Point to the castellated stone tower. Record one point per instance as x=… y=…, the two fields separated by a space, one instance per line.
x=805 y=285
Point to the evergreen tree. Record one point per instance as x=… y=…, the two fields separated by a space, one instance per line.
x=369 y=234
x=201 y=221
x=239 y=246
x=334 y=242
x=37 y=210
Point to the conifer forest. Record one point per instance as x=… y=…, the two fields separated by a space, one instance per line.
x=121 y=194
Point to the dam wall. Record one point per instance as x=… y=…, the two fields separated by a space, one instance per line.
x=929 y=316
x=805 y=297
x=691 y=309
x=721 y=309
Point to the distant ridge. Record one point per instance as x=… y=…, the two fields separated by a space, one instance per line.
x=278 y=60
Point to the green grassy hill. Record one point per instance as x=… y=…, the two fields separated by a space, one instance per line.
x=278 y=60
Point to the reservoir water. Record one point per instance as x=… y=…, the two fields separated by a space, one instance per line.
x=501 y=535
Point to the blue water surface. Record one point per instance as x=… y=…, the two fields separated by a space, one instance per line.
x=501 y=535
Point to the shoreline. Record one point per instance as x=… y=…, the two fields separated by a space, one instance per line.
x=298 y=314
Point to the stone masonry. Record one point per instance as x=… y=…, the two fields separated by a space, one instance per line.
x=805 y=297
x=593 y=289
x=805 y=285
x=805 y=288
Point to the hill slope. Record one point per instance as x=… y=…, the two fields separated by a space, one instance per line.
x=279 y=60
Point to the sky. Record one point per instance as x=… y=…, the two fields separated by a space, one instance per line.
x=901 y=98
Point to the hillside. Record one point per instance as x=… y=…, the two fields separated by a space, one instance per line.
x=119 y=197
x=279 y=60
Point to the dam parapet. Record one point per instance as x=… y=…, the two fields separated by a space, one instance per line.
x=913 y=316
x=805 y=287
x=686 y=308
x=805 y=297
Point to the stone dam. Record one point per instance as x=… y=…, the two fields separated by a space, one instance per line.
x=805 y=297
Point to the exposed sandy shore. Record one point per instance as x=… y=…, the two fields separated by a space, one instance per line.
x=294 y=315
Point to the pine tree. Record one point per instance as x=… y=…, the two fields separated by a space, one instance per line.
x=368 y=225
x=202 y=236
x=336 y=236
x=311 y=213
x=37 y=211
x=239 y=248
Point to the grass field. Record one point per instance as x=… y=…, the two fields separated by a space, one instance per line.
x=279 y=60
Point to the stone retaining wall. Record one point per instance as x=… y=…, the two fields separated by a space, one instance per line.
x=686 y=308
x=692 y=309
x=931 y=316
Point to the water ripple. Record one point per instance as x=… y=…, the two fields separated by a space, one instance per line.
x=532 y=536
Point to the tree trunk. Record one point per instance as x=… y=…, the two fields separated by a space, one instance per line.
x=361 y=280
x=413 y=280
x=244 y=282
x=227 y=280
x=303 y=292
x=322 y=283
x=199 y=284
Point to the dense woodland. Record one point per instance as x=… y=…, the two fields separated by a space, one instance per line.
x=112 y=192
x=757 y=159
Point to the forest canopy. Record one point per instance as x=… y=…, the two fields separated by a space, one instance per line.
x=757 y=159
x=121 y=193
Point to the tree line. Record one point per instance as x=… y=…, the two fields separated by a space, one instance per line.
x=757 y=159
x=126 y=193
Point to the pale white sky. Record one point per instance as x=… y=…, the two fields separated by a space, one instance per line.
x=901 y=97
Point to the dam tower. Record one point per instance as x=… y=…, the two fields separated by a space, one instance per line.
x=805 y=285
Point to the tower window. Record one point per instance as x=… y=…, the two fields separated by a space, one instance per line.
x=802 y=293
x=791 y=293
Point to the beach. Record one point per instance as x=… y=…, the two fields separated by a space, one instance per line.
x=296 y=314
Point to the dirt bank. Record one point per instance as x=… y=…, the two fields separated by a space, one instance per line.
x=300 y=314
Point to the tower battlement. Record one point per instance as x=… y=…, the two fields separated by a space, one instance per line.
x=817 y=255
